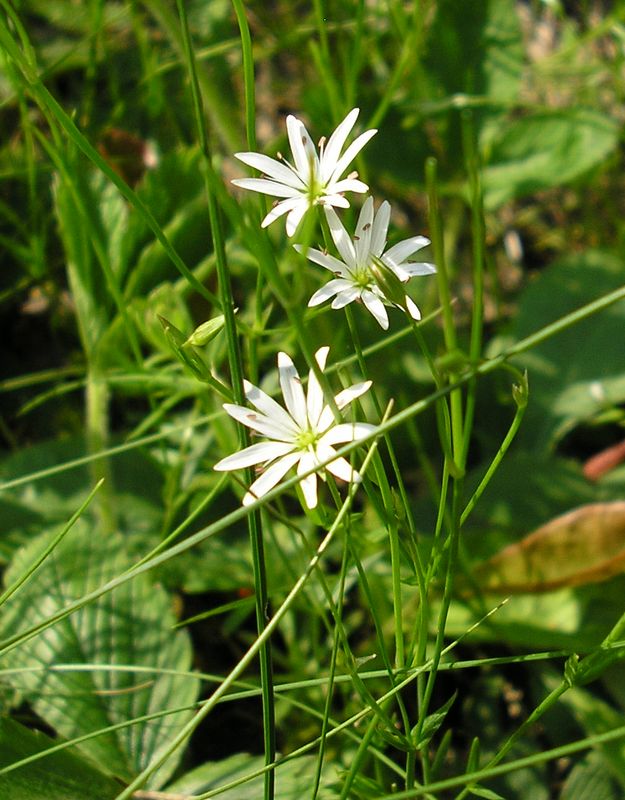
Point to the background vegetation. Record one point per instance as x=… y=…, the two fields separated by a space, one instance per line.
x=128 y=603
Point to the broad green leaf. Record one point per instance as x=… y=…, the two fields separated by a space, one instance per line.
x=586 y=545
x=589 y=778
x=36 y=505
x=131 y=626
x=545 y=149
x=479 y=53
x=64 y=775
x=578 y=373
x=293 y=779
x=597 y=716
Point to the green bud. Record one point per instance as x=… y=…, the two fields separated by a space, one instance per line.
x=205 y=332
x=520 y=391
x=392 y=288
x=186 y=355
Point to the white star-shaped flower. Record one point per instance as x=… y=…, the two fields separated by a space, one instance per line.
x=313 y=179
x=302 y=435
x=361 y=273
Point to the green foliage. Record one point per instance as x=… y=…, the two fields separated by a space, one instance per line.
x=62 y=775
x=128 y=628
x=364 y=671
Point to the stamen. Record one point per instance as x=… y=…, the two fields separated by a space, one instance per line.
x=352 y=175
x=366 y=227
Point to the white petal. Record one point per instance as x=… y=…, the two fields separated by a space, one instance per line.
x=273 y=168
x=335 y=144
x=259 y=422
x=342 y=399
x=324 y=260
x=350 y=154
x=254 y=454
x=302 y=147
x=339 y=466
x=295 y=216
x=314 y=396
x=270 y=477
x=376 y=307
x=346 y=432
x=362 y=235
x=348 y=395
x=346 y=296
x=341 y=238
x=266 y=186
x=308 y=484
x=327 y=291
x=283 y=207
x=380 y=229
x=336 y=188
x=292 y=391
x=413 y=309
x=401 y=251
x=414 y=268
x=268 y=406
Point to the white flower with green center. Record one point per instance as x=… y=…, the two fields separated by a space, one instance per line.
x=313 y=179
x=361 y=273
x=303 y=434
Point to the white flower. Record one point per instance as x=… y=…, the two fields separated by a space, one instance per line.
x=360 y=272
x=303 y=434
x=313 y=179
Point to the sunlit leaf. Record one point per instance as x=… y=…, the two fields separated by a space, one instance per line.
x=131 y=626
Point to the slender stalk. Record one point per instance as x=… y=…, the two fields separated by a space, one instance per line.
x=236 y=369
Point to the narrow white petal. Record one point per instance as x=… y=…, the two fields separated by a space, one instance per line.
x=402 y=250
x=308 y=484
x=348 y=395
x=295 y=216
x=270 y=477
x=362 y=235
x=273 y=168
x=346 y=432
x=336 y=188
x=376 y=307
x=327 y=291
x=324 y=260
x=346 y=296
x=333 y=200
x=342 y=399
x=283 y=207
x=342 y=469
x=259 y=422
x=292 y=391
x=332 y=151
x=380 y=229
x=339 y=466
x=314 y=396
x=341 y=238
x=266 y=186
x=302 y=147
x=269 y=407
x=254 y=454
x=414 y=268
x=350 y=154
x=413 y=309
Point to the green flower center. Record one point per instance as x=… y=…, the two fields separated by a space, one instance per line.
x=306 y=439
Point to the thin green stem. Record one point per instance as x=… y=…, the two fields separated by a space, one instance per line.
x=236 y=370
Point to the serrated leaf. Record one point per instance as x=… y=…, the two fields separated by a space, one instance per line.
x=60 y=776
x=131 y=626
